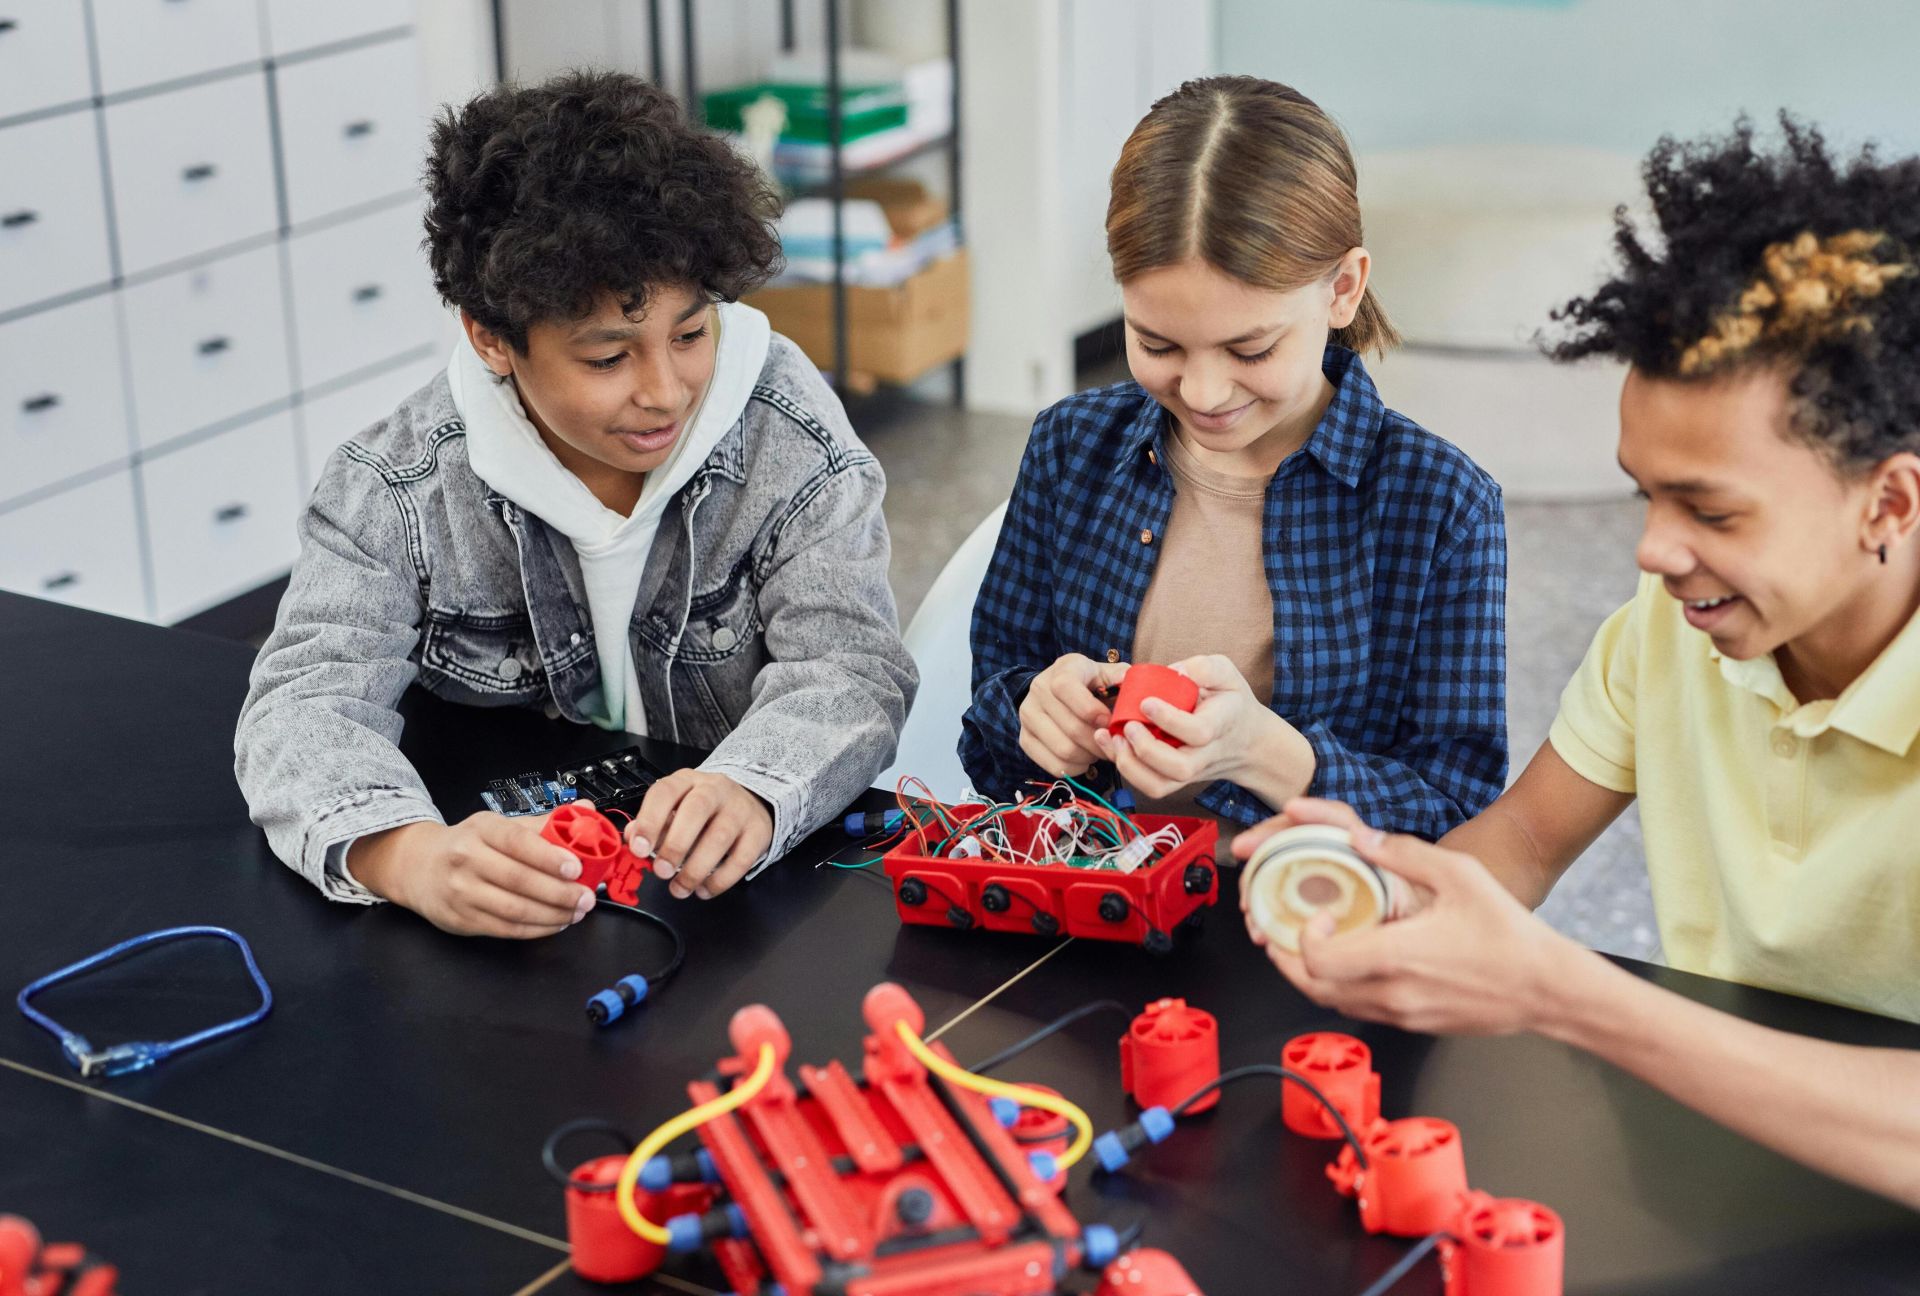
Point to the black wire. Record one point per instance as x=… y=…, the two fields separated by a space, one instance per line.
x=647 y=915
x=550 y=1151
x=1271 y=1069
x=1052 y=1028
x=1130 y=1236
x=1407 y=1262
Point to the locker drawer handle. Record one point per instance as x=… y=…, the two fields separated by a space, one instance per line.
x=359 y=129
x=65 y=580
x=203 y=171
x=367 y=292
x=39 y=404
x=214 y=345
x=13 y=220
x=231 y=513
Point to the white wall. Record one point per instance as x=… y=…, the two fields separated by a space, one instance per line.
x=1610 y=74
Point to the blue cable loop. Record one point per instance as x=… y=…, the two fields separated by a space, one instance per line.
x=120 y=1059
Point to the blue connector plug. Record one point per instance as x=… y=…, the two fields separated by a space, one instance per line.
x=1005 y=1110
x=1101 y=1245
x=1044 y=1165
x=1116 y=1147
x=609 y=1006
x=866 y=823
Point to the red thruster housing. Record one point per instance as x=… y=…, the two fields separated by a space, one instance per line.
x=1169 y=1051
x=1143 y=907
x=1415 y=1180
x=901 y=1186
x=1146 y=1273
x=1504 y=1247
x=1341 y=1068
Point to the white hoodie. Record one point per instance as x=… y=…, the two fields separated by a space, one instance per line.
x=506 y=452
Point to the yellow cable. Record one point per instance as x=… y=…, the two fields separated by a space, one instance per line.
x=692 y=1118
x=1059 y=1106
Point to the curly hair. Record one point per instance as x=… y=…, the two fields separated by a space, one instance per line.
x=542 y=198
x=1787 y=260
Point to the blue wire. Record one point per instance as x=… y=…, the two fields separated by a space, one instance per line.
x=138 y=1055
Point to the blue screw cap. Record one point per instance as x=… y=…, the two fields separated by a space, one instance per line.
x=1110 y=1151
x=1005 y=1110
x=1156 y=1123
x=636 y=983
x=684 y=1234
x=1045 y=1167
x=1102 y=1244
x=736 y=1220
x=704 y=1166
x=657 y=1174
x=611 y=1006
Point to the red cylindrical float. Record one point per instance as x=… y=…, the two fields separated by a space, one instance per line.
x=1341 y=1068
x=1142 y=681
x=1505 y=1247
x=590 y=835
x=1415 y=1180
x=1039 y=1130
x=605 y=1250
x=1146 y=1272
x=1169 y=1051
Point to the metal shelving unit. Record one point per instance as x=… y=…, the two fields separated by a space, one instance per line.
x=838 y=173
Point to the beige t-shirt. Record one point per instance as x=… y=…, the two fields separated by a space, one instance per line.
x=1209 y=592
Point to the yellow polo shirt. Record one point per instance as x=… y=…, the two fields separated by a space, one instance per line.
x=1783 y=840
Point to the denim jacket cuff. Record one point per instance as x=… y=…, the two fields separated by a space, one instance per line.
x=334 y=829
x=782 y=793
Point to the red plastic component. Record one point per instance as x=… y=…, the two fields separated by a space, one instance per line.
x=1416 y=1177
x=605 y=1250
x=1146 y=1272
x=1504 y=1247
x=591 y=836
x=1169 y=1051
x=1142 y=907
x=1144 y=680
x=29 y=1268
x=1039 y=1130
x=907 y=1181
x=1341 y=1068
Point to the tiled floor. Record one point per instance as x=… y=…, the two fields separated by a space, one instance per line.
x=1570 y=565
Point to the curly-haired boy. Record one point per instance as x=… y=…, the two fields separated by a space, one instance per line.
x=625 y=501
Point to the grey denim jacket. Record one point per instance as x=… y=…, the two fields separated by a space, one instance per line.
x=764 y=630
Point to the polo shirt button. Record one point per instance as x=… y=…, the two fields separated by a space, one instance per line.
x=575 y=639
x=724 y=638
x=510 y=669
x=1784 y=744
x=1113 y=654
x=1146 y=536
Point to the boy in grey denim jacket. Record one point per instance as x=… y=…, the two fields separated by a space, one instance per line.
x=625 y=501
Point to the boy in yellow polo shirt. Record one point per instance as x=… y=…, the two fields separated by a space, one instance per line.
x=1760 y=695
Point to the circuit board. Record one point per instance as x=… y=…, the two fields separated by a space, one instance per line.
x=617 y=780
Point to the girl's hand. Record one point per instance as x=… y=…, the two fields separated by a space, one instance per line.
x=1229 y=735
x=1061 y=716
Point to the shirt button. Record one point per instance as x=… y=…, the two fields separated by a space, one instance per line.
x=552 y=710
x=724 y=638
x=510 y=669
x=1784 y=744
x=1113 y=654
x=1146 y=536
x=575 y=640
x=1152 y=457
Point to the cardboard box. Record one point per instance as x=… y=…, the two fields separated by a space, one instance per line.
x=894 y=335
x=910 y=209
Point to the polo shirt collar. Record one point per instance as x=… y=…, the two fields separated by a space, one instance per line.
x=1341 y=442
x=1881 y=708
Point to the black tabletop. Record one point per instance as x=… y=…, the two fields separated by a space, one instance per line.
x=433 y=1066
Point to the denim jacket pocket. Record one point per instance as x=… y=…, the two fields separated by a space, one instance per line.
x=721 y=646
x=484 y=657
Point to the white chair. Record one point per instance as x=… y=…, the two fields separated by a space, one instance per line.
x=938 y=640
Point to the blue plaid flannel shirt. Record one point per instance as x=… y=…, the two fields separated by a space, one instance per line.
x=1386 y=553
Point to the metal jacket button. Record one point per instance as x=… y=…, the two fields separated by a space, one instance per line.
x=724 y=638
x=510 y=669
